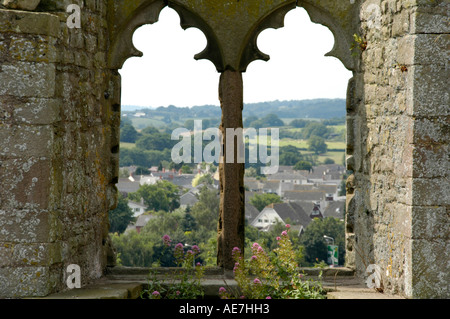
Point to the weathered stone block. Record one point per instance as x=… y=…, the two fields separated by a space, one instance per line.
x=29 y=22
x=431 y=192
x=431 y=160
x=36 y=254
x=33 y=49
x=430 y=270
x=21 y=4
x=401 y=24
x=28 y=183
x=424 y=49
x=430 y=223
x=27 y=281
x=27 y=79
x=24 y=226
x=430 y=90
x=26 y=141
x=38 y=111
x=426 y=20
x=431 y=130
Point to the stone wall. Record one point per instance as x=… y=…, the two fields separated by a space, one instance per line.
x=398 y=107
x=60 y=113
x=58 y=151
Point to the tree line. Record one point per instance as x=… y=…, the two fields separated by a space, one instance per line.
x=197 y=225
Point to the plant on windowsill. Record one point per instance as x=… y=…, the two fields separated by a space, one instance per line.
x=182 y=284
x=271 y=276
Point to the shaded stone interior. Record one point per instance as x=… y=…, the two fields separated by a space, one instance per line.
x=60 y=116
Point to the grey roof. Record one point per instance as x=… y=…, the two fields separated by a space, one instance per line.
x=188 y=199
x=250 y=212
x=304 y=195
x=286 y=176
x=249 y=195
x=303 y=187
x=306 y=205
x=293 y=211
x=271 y=185
x=335 y=209
x=329 y=189
x=252 y=184
x=126 y=186
x=285 y=169
x=334 y=170
x=142 y=220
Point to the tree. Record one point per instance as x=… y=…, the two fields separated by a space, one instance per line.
x=163 y=195
x=303 y=166
x=317 y=145
x=249 y=120
x=202 y=179
x=120 y=217
x=289 y=158
x=262 y=200
x=128 y=133
x=186 y=169
x=314 y=128
x=133 y=249
x=155 y=141
x=299 y=123
x=272 y=120
x=251 y=172
x=289 y=155
x=316 y=246
x=206 y=210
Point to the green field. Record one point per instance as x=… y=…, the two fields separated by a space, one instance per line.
x=127 y=145
x=141 y=123
x=304 y=144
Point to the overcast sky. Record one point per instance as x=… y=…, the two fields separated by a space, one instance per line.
x=168 y=74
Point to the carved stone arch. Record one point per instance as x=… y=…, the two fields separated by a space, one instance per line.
x=275 y=20
x=189 y=19
x=339 y=18
x=122 y=46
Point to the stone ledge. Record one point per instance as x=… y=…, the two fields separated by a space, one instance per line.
x=41 y=23
x=128 y=283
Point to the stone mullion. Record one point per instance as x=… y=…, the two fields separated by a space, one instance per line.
x=231 y=225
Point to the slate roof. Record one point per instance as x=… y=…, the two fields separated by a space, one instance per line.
x=142 y=220
x=330 y=210
x=293 y=211
x=286 y=176
x=329 y=189
x=250 y=212
x=125 y=186
x=303 y=187
x=314 y=195
x=188 y=199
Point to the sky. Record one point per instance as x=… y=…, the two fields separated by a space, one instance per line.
x=168 y=74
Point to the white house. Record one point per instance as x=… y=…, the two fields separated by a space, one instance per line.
x=267 y=217
x=149 y=180
x=137 y=208
x=281 y=212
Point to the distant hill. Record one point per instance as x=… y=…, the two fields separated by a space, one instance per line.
x=130 y=108
x=315 y=108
